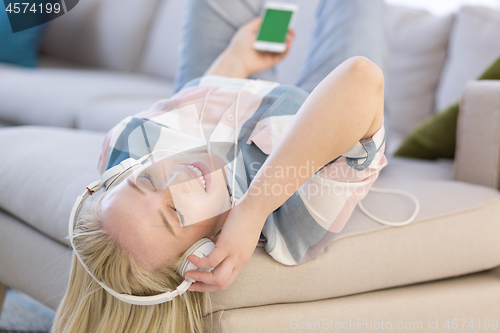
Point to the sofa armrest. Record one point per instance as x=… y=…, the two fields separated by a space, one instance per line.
x=477 y=155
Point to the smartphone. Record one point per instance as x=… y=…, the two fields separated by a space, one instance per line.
x=277 y=19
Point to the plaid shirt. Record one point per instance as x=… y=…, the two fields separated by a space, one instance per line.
x=310 y=219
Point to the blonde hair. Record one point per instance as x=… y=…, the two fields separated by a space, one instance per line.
x=86 y=307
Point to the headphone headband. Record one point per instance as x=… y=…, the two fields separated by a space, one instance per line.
x=201 y=248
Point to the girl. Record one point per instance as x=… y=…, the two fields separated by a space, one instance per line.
x=246 y=160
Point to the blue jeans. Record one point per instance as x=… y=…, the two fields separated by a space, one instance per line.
x=344 y=28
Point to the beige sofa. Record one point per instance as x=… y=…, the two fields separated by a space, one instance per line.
x=439 y=270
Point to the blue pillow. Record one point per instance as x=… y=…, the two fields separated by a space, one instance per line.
x=20 y=48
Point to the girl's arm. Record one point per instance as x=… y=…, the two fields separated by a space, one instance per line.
x=344 y=108
x=240 y=59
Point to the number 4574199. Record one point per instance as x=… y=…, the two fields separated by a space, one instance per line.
x=23 y=7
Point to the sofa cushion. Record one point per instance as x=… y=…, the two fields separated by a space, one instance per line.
x=52 y=164
x=474 y=45
x=456 y=231
x=102 y=33
x=160 y=55
x=32 y=263
x=20 y=48
x=55 y=96
x=417 y=52
x=436 y=137
x=418 y=308
x=104 y=113
x=453 y=235
x=49 y=61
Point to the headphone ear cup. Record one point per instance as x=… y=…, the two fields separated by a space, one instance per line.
x=201 y=248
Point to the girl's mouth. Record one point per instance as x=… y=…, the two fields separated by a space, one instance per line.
x=201 y=173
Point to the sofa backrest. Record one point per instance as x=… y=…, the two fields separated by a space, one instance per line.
x=102 y=33
x=474 y=45
x=144 y=37
x=432 y=57
x=160 y=55
x=418 y=46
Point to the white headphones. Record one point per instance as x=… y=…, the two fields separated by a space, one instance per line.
x=116 y=175
x=201 y=248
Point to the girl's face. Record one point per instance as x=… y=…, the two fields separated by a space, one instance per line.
x=167 y=205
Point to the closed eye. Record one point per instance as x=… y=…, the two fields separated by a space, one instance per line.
x=179 y=214
x=149 y=179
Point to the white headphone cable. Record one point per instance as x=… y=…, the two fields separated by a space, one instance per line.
x=236 y=143
x=363 y=209
x=209 y=150
x=393 y=224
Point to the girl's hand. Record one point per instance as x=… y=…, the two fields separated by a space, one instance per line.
x=254 y=61
x=233 y=250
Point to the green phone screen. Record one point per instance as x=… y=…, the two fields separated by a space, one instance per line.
x=274 y=26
